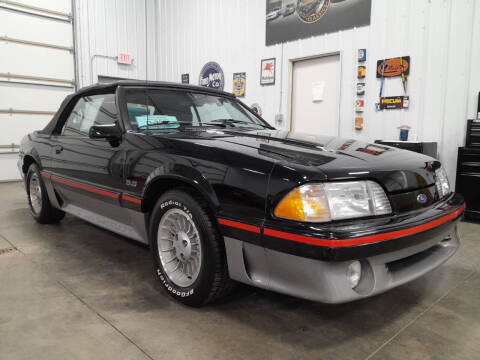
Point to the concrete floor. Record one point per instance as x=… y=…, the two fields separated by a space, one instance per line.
x=74 y=291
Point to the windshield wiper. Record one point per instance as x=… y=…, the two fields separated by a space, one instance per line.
x=152 y=124
x=164 y=122
x=217 y=122
x=232 y=122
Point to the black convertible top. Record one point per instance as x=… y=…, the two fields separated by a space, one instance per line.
x=111 y=87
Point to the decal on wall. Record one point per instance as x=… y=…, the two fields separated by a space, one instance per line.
x=361 y=72
x=393 y=67
x=185 y=78
x=289 y=20
x=362 y=55
x=360 y=88
x=211 y=76
x=358 y=123
x=359 y=105
x=267 y=72
x=239 y=84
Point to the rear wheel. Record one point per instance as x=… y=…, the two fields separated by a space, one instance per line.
x=188 y=250
x=40 y=206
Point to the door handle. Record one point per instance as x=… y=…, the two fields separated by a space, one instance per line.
x=58 y=149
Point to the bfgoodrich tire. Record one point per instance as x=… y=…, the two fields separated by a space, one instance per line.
x=40 y=206
x=188 y=251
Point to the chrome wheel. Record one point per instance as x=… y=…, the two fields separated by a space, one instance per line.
x=35 y=193
x=179 y=247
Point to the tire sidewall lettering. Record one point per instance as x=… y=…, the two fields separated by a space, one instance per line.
x=164 y=206
x=170 y=288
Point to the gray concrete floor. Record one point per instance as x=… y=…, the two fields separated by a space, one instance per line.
x=74 y=291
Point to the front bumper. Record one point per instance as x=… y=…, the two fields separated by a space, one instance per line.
x=321 y=275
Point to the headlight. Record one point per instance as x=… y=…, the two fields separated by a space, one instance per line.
x=441 y=182
x=334 y=201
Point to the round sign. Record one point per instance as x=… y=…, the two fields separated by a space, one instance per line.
x=211 y=76
x=310 y=11
x=257 y=109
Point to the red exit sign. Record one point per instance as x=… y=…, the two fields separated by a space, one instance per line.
x=124 y=59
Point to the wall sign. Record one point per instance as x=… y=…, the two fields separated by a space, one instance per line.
x=211 y=76
x=185 y=78
x=359 y=105
x=360 y=88
x=361 y=72
x=298 y=19
x=257 y=108
x=394 y=102
x=358 y=123
x=239 y=84
x=267 y=72
x=393 y=67
x=362 y=55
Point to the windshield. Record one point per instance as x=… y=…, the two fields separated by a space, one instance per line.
x=153 y=109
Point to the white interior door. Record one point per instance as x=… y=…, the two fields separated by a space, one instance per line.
x=316 y=95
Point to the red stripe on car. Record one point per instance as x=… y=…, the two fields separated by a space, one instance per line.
x=364 y=239
x=239 y=225
x=84 y=187
x=131 y=199
x=347 y=242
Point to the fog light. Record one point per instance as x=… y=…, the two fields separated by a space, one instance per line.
x=354 y=273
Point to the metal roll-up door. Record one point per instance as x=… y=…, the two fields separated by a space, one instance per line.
x=37 y=70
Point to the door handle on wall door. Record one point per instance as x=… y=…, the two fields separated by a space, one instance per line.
x=58 y=149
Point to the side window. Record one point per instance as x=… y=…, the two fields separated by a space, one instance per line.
x=89 y=111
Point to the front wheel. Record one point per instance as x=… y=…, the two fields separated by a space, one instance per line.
x=188 y=251
x=40 y=207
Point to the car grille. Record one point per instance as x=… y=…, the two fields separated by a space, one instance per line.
x=414 y=200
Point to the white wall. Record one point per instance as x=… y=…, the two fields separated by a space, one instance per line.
x=441 y=36
x=33 y=61
x=111 y=27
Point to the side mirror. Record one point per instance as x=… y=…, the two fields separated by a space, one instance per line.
x=109 y=132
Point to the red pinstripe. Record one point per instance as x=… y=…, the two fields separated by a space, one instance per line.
x=346 y=242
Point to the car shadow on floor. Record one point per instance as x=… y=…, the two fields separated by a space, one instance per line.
x=115 y=275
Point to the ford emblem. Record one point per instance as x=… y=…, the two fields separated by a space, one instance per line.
x=422 y=198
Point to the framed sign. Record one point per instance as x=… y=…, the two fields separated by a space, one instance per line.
x=359 y=105
x=394 y=102
x=211 y=76
x=362 y=55
x=361 y=72
x=239 y=84
x=185 y=78
x=393 y=67
x=360 y=88
x=298 y=19
x=267 y=72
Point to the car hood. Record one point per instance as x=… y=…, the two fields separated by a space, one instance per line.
x=337 y=158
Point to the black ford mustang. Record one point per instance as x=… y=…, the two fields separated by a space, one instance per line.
x=220 y=195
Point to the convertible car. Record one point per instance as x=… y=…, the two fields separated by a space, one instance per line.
x=221 y=196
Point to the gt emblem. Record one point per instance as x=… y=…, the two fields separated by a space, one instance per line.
x=132 y=183
x=422 y=198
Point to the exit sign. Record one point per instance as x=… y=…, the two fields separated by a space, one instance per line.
x=124 y=59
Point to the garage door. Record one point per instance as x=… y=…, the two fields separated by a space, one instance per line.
x=37 y=70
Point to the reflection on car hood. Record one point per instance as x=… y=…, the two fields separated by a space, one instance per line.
x=337 y=158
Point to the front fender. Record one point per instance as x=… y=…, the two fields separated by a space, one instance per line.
x=183 y=174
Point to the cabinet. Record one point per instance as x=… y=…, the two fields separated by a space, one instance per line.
x=468 y=179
